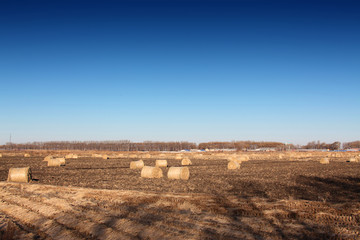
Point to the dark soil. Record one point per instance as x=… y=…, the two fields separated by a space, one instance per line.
x=337 y=182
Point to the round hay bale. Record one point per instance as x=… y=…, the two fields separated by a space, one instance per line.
x=71 y=155
x=0 y=155
x=47 y=158
x=186 y=162
x=161 y=163
x=56 y=162
x=178 y=156
x=233 y=165
x=151 y=172
x=324 y=161
x=238 y=158
x=182 y=173
x=26 y=155
x=354 y=159
x=244 y=158
x=105 y=156
x=19 y=175
x=62 y=161
x=137 y=164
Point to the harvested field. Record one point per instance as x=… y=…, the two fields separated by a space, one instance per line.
x=92 y=198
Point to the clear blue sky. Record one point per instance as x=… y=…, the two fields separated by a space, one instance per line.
x=197 y=71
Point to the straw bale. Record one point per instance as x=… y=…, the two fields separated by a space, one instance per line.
x=47 y=158
x=0 y=155
x=19 y=175
x=26 y=155
x=132 y=156
x=71 y=155
x=182 y=173
x=56 y=162
x=151 y=172
x=105 y=156
x=353 y=159
x=137 y=164
x=178 y=156
x=239 y=158
x=324 y=161
x=186 y=161
x=161 y=163
x=244 y=158
x=233 y=165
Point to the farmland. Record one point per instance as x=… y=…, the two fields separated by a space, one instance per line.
x=277 y=196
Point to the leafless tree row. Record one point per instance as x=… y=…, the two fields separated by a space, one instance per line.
x=242 y=145
x=126 y=145
x=322 y=145
x=123 y=145
x=355 y=144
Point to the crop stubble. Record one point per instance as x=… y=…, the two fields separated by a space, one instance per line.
x=264 y=199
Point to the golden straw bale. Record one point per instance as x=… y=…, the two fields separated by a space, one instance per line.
x=239 y=158
x=161 y=163
x=353 y=159
x=182 y=173
x=19 y=175
x=56 y=162
x=62 y=161
x=137 y=164
x=47 y=158
x=71 y=155
x=233 y=165
x=105 y=156
x=244 y=158
x=186 y=161
x=324 y=161
x=26 y=155
x=178 y=156
x=132 y=156
x=151 y=172
x=0 y=155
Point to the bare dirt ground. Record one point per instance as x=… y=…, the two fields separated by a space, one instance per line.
x=104 y=199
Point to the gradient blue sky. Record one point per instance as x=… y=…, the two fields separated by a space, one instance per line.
x=197 y=71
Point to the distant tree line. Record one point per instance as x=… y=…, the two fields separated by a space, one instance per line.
x=126 y=145
x=123 y=145
x=355 y=144
x=322 y=145
x=241 y=145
